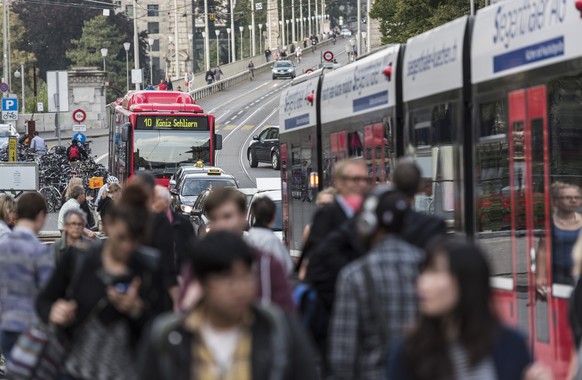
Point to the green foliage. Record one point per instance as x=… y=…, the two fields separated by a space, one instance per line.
x=403 y=19
x=99 y=33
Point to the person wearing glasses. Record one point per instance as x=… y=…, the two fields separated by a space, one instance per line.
x=74 y=225
x=351 y=180
x=566 y=225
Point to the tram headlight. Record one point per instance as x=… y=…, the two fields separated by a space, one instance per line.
x=313 y=180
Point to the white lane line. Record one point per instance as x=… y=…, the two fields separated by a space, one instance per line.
x=101 y=157
x=234 y=117
x=238 y=97
x=242 y=147
x=239 y=112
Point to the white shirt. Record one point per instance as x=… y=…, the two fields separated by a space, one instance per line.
x=221 y=344
x=68 y=205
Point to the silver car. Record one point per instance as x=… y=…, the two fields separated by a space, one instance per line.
x=283 y=69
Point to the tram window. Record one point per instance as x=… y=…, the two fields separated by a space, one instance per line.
x=492 y=119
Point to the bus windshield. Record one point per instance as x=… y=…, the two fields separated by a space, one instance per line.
x=164 y=150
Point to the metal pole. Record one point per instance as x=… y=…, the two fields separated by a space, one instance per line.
x=127 y=68
x=359 y=32
x=250 y=40
x=241 y=44
x=135 y=41
x=368 y=28
x=22 y=84
x=261 y=38
x=193 y=36
x=5 y=39
x=207 y=36
x=104 y=84
x=253 y=36
x=301 y=18
x=283 y=37
x=472 y=7
x=269 y=28
x=217 y=52
x=233 y=35
x=177 y=62
x=309 y=17
x=228 y=44
x=316 y=18
x=151 y=67
x=58 y=105
x=293 y=35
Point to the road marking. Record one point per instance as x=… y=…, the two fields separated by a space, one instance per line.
x=232 y=118
x=102 y=157
x=239 y=112
x=229 y=127
x=247 y=127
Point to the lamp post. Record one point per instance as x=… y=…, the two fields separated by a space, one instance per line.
x=171 y=40
x=177 y=39
x=301 y=19
x=228 y=45
x=293 y=35
x=104 y=55
x=251 y=53
x=260 y=37
x=18 y=74
x=207 y=34
x=286 y=31
x=126 y=46
x=135 y=41
x=206 y=50
x=151 y=43
x=283 y=39
x=281 y=34
x=303 y=26
x=190 y=38
x=309 y=17
x=241 y=28
x=232 y=41
x=217 y=32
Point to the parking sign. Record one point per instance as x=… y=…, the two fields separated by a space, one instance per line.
x=9 y=109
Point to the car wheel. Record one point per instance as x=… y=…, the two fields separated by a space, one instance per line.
x=274 y=77
x=275 y=161
x=253 y=163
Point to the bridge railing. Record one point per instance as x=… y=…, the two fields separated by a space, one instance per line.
x=235 y=79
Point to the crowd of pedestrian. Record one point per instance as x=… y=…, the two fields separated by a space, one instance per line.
x=383 y=293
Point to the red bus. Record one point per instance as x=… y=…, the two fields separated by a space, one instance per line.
x=158 y=131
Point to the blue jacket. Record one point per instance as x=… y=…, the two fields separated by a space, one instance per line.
x=510 y=356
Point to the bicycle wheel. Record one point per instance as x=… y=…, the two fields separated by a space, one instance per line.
x=52 y=198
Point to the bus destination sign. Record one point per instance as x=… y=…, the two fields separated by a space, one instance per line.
x=198 y=123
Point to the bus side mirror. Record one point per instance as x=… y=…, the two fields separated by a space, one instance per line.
x=125 y=132
x=217 y=142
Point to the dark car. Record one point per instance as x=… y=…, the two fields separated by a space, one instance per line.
x=193 y=184
x=283 y=69
x=198 y=214
x=265 y=148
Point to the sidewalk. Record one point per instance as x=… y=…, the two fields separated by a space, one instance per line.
x=68 y=135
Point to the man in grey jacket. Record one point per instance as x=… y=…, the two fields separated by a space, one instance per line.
x=261 y=235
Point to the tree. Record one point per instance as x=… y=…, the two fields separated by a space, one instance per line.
x=99 y=33
x=403 y=19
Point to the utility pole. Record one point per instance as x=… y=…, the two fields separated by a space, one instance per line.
x=309 y=18
x=206 y=36
x=283 y=37
x=317 y=30
x=368 y=28
x=359 y=32
x=233 y=35
x=293 y=35
x=177 y=46
x=301 y=21
x=5 y=40
x=253 y=36
x=193 y=35
x=135 y=42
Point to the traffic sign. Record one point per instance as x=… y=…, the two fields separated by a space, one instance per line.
x=4 y=87
x=9 y=109
x=136 y=76
x=12 y=149
x=79 y=127
x=80 y=137
x=259 y=6
x=328 y=56
x=79 y=115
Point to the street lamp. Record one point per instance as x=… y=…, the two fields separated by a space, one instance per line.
x=260 y=38
x=206 y=50
x=104 y=55
x=17 y=74
x=228 y=45
x=217 y=32
x=126 y=46
x=250 y=40
x=241 y=28
x=151 y=43
x=303 y=28
x=190 y=38
x=281 y=32
x=286 y=31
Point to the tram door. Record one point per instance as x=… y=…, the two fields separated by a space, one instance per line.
x=530 y=212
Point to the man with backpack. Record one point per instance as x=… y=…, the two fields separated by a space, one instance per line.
x=227 y=335
x=75 y=152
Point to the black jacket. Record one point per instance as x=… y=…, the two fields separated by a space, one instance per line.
x=90 y=288
x=104 y=206
x=300 y=358
x=419 y=228
x=336 y=251
x=161 y=237
x=183 y=234
x=326 y=220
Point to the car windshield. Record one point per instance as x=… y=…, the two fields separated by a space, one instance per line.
x=283 y=64
x=194 y=186
x=165 y=150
